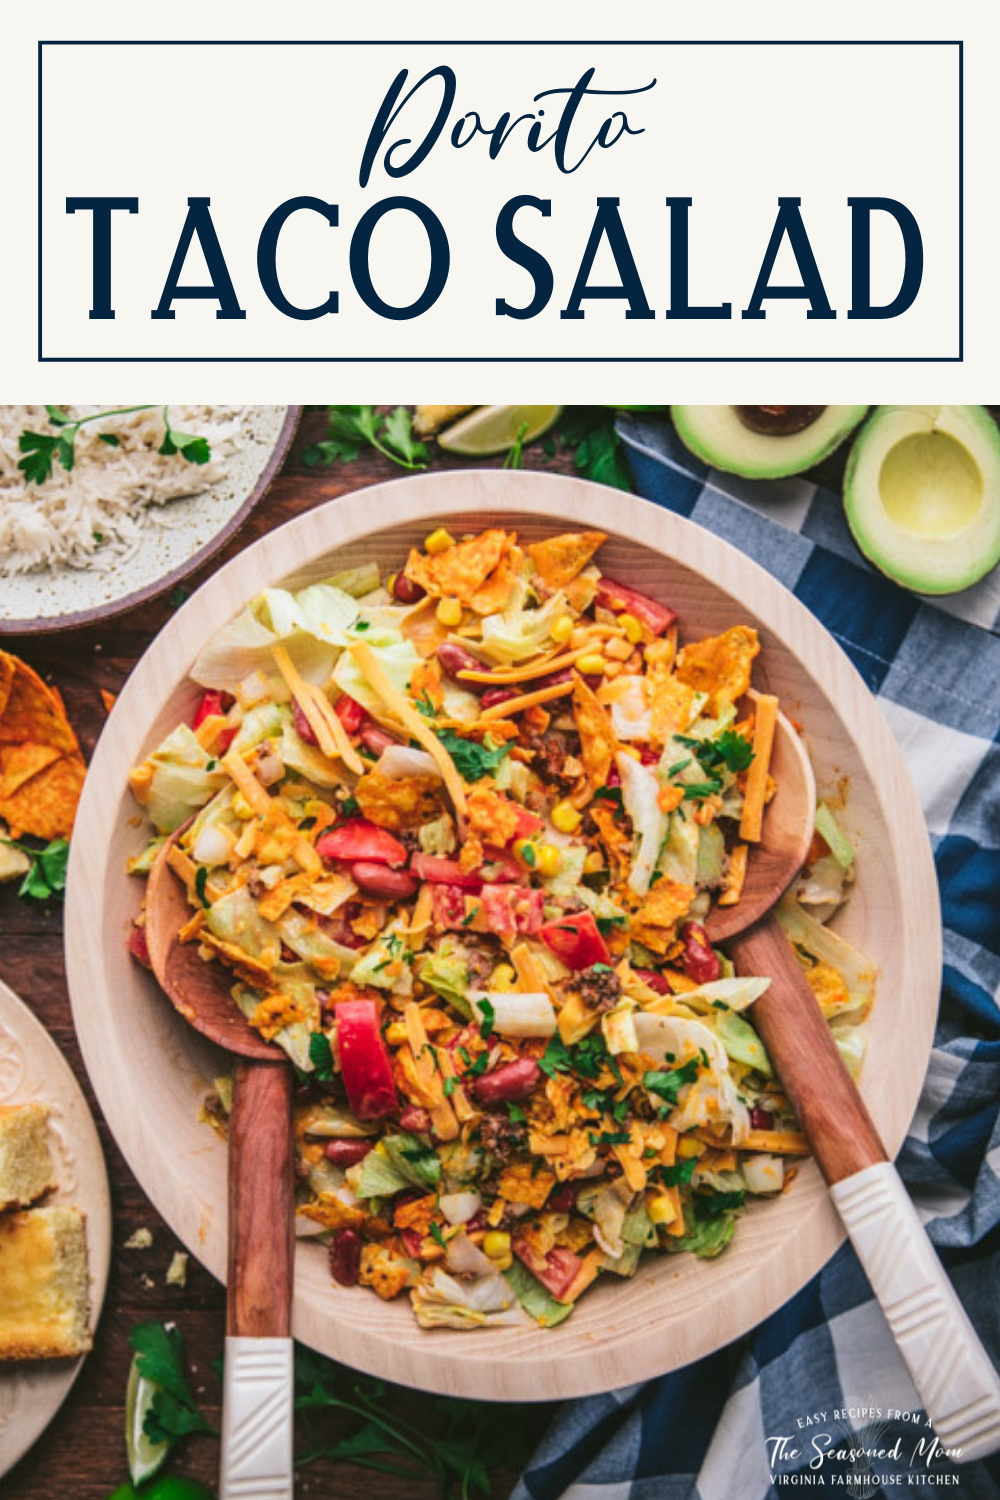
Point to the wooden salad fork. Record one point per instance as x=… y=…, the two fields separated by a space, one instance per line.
x=256 y=1462
x=954 y=1377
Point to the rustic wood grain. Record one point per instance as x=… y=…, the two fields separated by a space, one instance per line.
x=261 y=1206
x=83 y=1452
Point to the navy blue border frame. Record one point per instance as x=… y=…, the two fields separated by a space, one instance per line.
x=538 y=359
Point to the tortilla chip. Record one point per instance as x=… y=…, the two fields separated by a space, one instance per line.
x=108 y=699
x=671 y=702
x=720 y=665
x=494 y=596
x=18 y=763
x=560 y=558
x=657 y=917
x=462 y=570
x=598 y=742
x=6 y=679
x=34 y=712
x=399 y=802
x=45 y=805
x=616 y=838
x=492 y=817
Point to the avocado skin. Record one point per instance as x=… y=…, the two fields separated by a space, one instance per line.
x=737 y=450
x=903 y=572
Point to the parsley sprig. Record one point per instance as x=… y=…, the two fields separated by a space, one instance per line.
x=43 y=450
x=173 y=1412
x=473 y=760
x=352 y=429
x=46 y=876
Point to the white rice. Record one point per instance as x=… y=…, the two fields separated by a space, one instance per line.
x=97 y=512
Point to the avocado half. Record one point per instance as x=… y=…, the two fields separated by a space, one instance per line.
x=922 y=495
x=721 y=438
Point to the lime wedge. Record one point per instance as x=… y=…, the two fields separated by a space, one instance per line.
x=494 y=429
x=145 y=1458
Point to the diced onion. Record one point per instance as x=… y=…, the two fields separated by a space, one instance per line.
x=399 y=761
x=213 y=846
x=253 y=689
x=459 y=1208
x=519 y=1015
x=465 y=1258
x=268 y=766
x=763 y=1174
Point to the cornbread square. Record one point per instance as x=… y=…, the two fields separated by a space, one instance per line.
x=25 y=1160
x=43 y=1284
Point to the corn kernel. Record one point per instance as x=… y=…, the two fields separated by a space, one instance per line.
x=438 y=541
x=549 y=861
x=449 y=611
x=562 y=629
x=527 y=852
x=593 y=862
x=630 y=751
x=503 y=1262
x=591 y=665
x=565 y=817
x=503 y=979
x=661 y=1209
x=241 y=806
x=496 y=1244
x=632 y=627
x=688 y=1146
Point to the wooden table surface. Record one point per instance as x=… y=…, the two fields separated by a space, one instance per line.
x=83 y=1453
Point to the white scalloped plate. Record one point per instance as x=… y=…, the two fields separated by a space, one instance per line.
x=33 y=1068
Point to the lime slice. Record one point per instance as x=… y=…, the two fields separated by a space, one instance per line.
x=145 y=1458
x=167 y=1487
x=494 y=429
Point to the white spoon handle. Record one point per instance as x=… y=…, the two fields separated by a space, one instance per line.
x=257 y=1420
x=955 y=1378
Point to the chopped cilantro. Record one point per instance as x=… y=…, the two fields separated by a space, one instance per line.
x=200 y=882
x=720 y=1203
x=678 y=766
x=555 y=1059
x=450 y=1085
x=609 y=1138
x=488 y=1016
x=472 y=760
x=479 y=1066
x=698 y=789
x=668 y=1085
x=436 y=1234
x=470 y=916
x=321 y=1056
x=349 y=807
x=516 y=1115
x=679 y=1173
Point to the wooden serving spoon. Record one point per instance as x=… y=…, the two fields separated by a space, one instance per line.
x=257 y=1396
x=953 y=1375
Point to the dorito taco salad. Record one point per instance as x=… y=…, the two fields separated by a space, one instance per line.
x=455 y=833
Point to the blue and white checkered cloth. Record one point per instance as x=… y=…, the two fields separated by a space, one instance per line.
x=699 y=1434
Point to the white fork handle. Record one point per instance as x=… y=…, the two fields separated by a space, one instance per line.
x=257 y=1420
x=955 y=1378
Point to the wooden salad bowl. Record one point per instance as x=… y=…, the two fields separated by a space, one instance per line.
x=151 y=1070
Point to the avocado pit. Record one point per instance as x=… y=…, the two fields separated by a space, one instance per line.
x=778 y=421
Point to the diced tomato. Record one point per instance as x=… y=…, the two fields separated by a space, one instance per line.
x=649 y=757
x=350 y=713
x=365 y=1065
x=654 y=980
x=499 y=867
x=360 y=839
x=338 y=923
x=510 y=909
x=623 y=600
x=576 y=940
x=557 y=1270
x=138 y=947
x=449 y=906
x=445 y=872
x=528 y=823
x=413 y=1241
x=699 y=958
x=214 y=704
x=761 y=1118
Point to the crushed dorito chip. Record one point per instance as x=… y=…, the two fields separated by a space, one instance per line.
x=598 y=741
x=720 y=665
x=559 y=559
x=399 y=802
x=460 y=571
x=657 y=917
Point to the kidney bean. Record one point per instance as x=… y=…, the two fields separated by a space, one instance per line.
x=338 y=924
x=139 y=947
x=303 y=728
x=555 y=678
x=508 y=1084
x=493 y=696
x=562 y=1200
x=656 y=981
x=761 y=1119
x=379 y=880
x=345 y=1256
x=453 y=659
x=477 y=1222
x=345 y=1153
x=376 y=739
x=405 y=591
x=350 y=713
x=700 y=961
x=416 y=1120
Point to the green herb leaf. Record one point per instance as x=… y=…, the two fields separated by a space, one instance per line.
x=174 y=1412
x=321 y=1056
x=472 y=760
x=590 y=433
x=488 y=1015
x=47 y=874
x=397 y=435
x=677 y=1174
x=352 y=429
x=668 y=1085
x=735 y=749
x=200 y=882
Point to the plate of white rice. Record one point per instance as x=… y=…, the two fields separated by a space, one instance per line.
x=126 y=521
